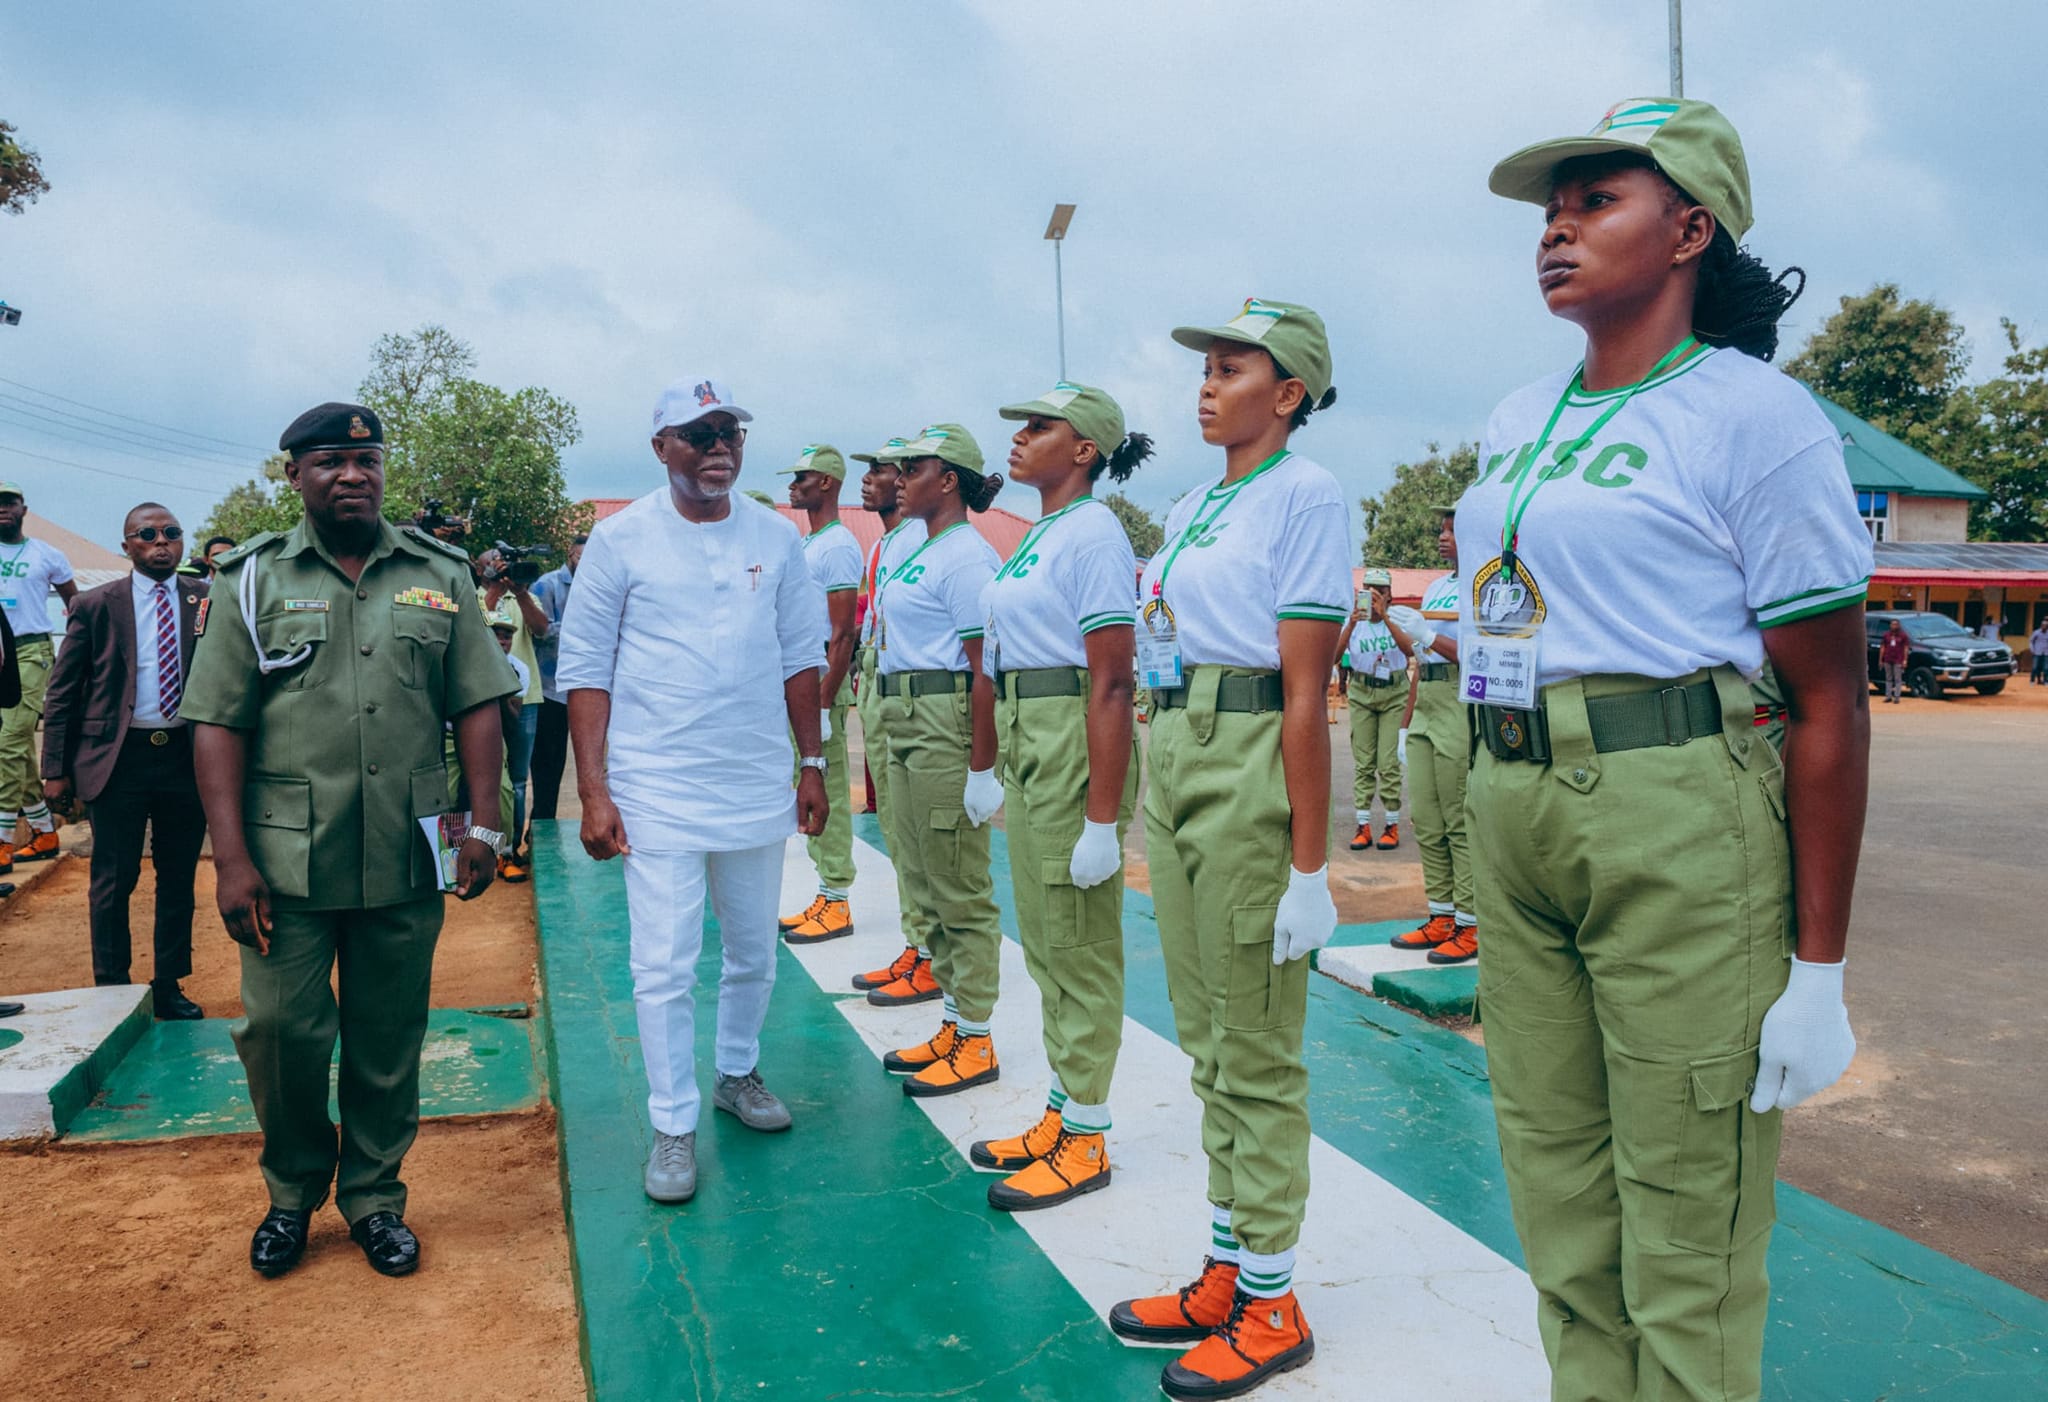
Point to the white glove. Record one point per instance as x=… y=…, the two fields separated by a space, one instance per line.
x=1807 y=1044
x=983 y=797
x=1401 y=747
x=825 y=726
x=1096 y=856
x=1307 y=916
x=1414 y=625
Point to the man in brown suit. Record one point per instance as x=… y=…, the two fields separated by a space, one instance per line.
x=112 y=735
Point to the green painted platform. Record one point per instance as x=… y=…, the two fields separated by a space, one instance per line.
x=860 y=1243
x=1447 y=992
x=183 y=1079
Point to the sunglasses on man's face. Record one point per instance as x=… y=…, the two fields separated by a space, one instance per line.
x=703 y=436
x=150 y=533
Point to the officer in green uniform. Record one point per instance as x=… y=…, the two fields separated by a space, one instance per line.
x=322 y=678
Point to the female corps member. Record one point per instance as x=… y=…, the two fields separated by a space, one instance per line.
x=1238 y=622
x=938 y=711
x=1665 y=907
x=1059 y=646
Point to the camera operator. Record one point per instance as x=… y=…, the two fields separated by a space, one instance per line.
x=495 y=578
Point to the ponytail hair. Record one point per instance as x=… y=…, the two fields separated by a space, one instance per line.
x=1134 y=449
x=976 y=489
x=1740 y=302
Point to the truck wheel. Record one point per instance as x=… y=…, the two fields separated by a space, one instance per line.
x=1922 y=683
x=1989 y=688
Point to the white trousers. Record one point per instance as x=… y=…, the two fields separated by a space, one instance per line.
x=665 y=898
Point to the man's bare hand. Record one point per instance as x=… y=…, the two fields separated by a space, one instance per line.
x=475 y=865
x=812 y=806
x=604 y=831
x=56 y=791
x=244 y=900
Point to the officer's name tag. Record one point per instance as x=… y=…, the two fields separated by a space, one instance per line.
x=1159 y=662
x=1499 y=669
x=305 y=605
x=426 y=599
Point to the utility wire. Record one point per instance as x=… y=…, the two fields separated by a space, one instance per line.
x=103 y=471
x=123 y=435
x=130 y=418
x=7 y=420
x=120 y=443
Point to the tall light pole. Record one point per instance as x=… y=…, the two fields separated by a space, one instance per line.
x=1677 y=52
x=1056 y=231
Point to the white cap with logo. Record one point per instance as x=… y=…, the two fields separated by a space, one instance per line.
x=688 y=400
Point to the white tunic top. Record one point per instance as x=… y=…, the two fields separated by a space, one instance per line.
x=888 y=552
x=1372 y=651
x=1074 y=572
x=1440 y=607
x=28 y=571
x=693 y=628
x=1241 y=557
x=930 y=601
x=1713 y=506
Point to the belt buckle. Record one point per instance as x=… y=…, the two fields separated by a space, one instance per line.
x=159 y=737
x=1677 y=721
x=1513 y=732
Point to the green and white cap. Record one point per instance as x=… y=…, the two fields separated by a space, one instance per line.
x=821 y=458
x=1293 y=335
x=892 y=451
x=947 y=442
x=1376 y=576
x=1093 y=414
x=1691 y=142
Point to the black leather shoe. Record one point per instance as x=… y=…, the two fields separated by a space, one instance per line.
x=279 y=1242
x=387 y=1243
x=171 y=1003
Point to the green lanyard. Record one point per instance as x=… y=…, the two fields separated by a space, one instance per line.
x=1202 y=523
x=824 y=528
x=1534 y=478
x=897 y=573
x=1031 y=538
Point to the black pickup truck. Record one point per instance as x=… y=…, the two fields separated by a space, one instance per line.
x=1944 y=653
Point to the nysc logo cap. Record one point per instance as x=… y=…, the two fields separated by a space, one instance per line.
x=1691 y=142
x=1094 y=415
x=1293 y=335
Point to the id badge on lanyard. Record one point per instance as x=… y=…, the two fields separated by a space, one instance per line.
x=1159 y=662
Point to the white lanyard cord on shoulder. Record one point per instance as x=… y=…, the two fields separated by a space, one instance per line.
x=245 y=593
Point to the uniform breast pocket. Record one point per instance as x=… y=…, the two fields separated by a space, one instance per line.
x=423 y=635
x=286 y=633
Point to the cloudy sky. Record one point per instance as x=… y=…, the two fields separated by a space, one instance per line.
x=837 y=207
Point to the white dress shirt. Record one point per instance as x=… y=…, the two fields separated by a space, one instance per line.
x=693 y=627
x=148 y=702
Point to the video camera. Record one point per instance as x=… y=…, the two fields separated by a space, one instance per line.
x=522 y=562
x=435 y=522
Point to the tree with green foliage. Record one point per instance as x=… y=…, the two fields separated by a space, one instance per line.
x=21 y=173
x=1893 y=360
x=1146 y=534
x=1400 y=527
x=2004 y=423
x=269 y=503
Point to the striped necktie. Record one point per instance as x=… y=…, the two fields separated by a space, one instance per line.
x=169 y=686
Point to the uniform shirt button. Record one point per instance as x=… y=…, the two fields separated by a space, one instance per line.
x=371 y=708
x=373 y=769
x=362 y=593
x=364 y=649
x=1578 y=776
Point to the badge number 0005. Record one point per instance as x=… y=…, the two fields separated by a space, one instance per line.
x=1499 y=667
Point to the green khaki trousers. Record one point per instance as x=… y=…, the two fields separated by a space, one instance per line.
x=1439 y=759
x=1216 y=831
x=286 y=1038
x=1073 y=939
x=1638 y=916
x=941 y=858
x=874 y=744
x=21 y=777
x=1376 y=741
x=832 y=850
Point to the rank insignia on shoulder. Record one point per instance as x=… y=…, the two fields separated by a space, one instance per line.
x=305 y=605
x=199 y=620
x=427 y=599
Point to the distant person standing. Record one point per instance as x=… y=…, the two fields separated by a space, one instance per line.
x=209 y=554
x=2038 y=645
x=29 y=570
x=1892 y=651
x=528 y=619
x=551 y=731
x=113 y=736
x=10 y=695
x=1376 y=693
x=1988 y=630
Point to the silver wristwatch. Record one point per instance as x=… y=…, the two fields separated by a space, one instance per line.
x=816 y=762
x=492 y=839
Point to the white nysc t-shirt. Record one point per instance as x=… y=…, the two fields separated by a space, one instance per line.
x=904 y=537
x=930 y=602
x=693 y=628
x=1074 y=572
x=1714 y=505
x=1275 y=546
x=1440 y=607
x=28 y=572
x=1372 y=651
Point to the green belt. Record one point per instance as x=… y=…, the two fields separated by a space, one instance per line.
x=1672 y=715
x=1250 y=694
x=1376 y=682
x=1439 y=672
x=922 y=683
x=1041 y=681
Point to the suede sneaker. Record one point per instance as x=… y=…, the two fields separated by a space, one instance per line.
x=1461 y=948
x=750 y=1102
x=1258 y=1339
x=830 y=921
x=913 y=1059
x=1433 y=932
x=1078 y=1163
x=1190 y=1313
x=917 y=986
x=1009 y=1155
x=881 y=978
x=1391 y=838
x=511 y=869
x=6 y=857
x=40 y=849
x=790 y=922
x=1361 y=839
x=969 y=1062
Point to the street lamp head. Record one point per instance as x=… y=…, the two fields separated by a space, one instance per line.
x=1056 y=228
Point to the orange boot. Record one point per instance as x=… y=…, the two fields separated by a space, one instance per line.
x=1362 y=839
x=1391 y=838
x=888 y=973
x=1009 y=1155
x=40 y=849
x=913 y=1059
x=1190 y=1313
x=969 y=1062
x=1258 y=1339
x=790 y=922
x=1461 y=948
x=917 y=986
x=1432 y=932
x=6 y=857
x=1078 y=1163
x=826 y=922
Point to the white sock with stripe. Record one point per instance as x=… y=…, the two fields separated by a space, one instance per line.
x=7 y=822
x=1466 y=921
x=832 y=893
x=1265 y=1277
x=1056 y=1097
x=1393 y=816
x=1222 y=1245
x=1077 y=1118
x=973 y=1029
x=39 y=818
x=1442 y=908
x=1364 y=815
x=947 y=1011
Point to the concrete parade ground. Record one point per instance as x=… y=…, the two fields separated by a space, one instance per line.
x=855 y=1256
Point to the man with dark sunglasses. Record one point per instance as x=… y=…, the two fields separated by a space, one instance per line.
x=113 y=736
x=30 y=571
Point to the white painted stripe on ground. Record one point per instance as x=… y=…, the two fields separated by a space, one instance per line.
x=1403 y=1304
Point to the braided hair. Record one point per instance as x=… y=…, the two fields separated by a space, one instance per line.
x=1740 y=302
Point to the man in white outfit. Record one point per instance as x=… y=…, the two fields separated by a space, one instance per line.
x=689 y=654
